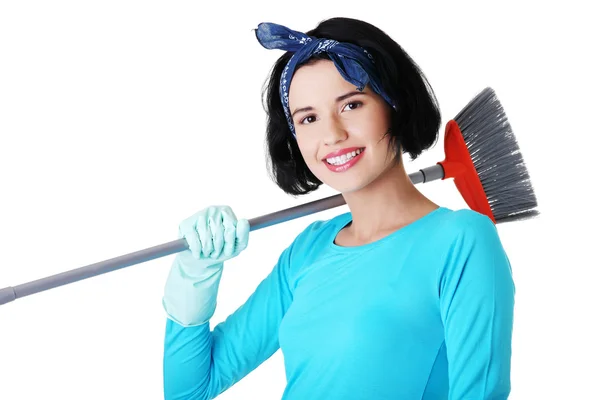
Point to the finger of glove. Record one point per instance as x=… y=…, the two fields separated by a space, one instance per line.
x=229 y=227
x=215 y=224
x=242 y=233
x=203 y=231
x=228 y=213
x=188 y=232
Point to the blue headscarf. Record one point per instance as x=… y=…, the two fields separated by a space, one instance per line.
x=354 y=63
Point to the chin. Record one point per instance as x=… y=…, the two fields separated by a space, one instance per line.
x=344 y=184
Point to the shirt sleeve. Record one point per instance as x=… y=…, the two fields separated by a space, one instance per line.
x=201 y=364
x=477 y=303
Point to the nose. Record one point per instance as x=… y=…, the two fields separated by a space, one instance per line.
x=334 y=132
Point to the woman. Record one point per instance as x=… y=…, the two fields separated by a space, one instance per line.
x=397 y=299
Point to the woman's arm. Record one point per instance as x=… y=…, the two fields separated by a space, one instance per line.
x=201 y=364
x=477 y=302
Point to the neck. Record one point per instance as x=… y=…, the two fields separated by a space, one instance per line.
x=385 y=205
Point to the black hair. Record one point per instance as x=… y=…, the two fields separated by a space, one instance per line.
x=414 y=125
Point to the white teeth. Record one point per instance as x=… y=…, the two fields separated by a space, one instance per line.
x=339 y=160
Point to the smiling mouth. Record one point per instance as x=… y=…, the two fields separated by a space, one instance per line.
x=343 y=159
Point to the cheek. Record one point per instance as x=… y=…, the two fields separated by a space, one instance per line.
x=308 y=150
x=374 y=128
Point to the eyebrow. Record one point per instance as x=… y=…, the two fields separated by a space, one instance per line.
x=338 y=99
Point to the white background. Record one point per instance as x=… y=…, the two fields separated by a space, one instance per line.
x=120 y=118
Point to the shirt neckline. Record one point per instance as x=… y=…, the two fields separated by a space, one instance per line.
x=346 y=218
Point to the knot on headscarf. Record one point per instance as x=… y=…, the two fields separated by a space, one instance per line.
x=355 y=64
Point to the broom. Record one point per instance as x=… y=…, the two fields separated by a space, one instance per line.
x=482 y=156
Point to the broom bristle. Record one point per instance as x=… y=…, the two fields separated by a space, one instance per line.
x=497 y=158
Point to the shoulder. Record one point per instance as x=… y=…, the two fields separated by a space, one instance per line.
x=465 y=219
x=464 y=235
x=472 y=258
x=468 y=238
x=466 y=224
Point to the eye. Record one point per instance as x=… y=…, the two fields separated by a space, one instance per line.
x=353 y=105
x=310 y=118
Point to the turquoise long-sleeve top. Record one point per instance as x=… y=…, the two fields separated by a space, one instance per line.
x=424 y=313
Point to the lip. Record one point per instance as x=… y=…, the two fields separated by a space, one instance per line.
x=345 y=166
x=340 y=152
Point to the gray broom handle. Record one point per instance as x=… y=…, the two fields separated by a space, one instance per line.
x=11 y=293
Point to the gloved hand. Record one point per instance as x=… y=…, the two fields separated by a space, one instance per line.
x=214 y=235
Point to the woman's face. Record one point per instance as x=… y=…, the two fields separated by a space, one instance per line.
x=340 y=130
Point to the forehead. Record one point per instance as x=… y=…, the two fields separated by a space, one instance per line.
x=317 y=81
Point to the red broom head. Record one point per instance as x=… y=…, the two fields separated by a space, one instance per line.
x=484 y=158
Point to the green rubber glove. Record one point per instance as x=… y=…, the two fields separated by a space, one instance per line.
x=214 y=235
